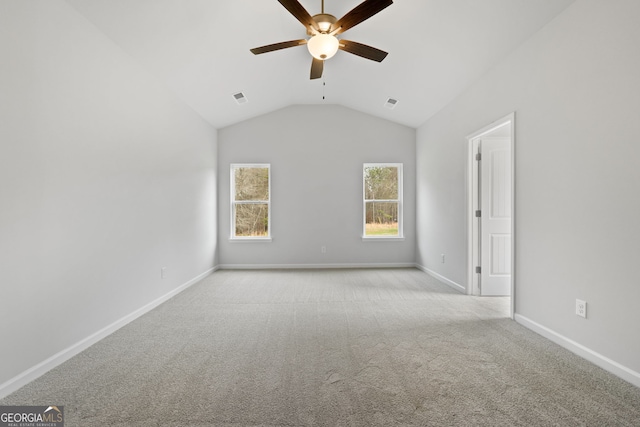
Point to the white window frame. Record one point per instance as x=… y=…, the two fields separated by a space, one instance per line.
x=400 y=235
x=234 y=202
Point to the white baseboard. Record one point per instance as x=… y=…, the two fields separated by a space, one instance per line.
x=313 y=266
x=41 y=368
x=586 y=353
x=443 y=279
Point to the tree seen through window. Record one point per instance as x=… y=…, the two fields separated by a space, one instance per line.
x=251 y=201
x=382 y=200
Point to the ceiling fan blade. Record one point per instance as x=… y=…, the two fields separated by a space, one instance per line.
x=296 y=9
x=363 y=50
x=362 y=12
x=277 y=46
x=316 y=68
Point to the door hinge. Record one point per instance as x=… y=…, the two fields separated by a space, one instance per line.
x=478 y=157
x=479 y=270
x=478 y=213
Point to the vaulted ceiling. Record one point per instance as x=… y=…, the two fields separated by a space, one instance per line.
x=200 y=50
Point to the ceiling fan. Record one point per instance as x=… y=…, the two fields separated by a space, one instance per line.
x=323 y=29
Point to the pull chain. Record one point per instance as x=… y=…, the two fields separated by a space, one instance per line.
x=323 y=85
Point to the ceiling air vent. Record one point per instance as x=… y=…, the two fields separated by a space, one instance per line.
x=240 y=98
x=391 y=103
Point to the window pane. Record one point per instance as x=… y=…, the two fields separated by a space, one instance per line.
x=252 y=183
x=381 y=183
x=252 y=220
x=381 y=219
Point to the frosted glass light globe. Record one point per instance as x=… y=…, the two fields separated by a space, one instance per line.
x=323 y=46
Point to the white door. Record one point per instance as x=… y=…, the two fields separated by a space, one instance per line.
x=495 y=217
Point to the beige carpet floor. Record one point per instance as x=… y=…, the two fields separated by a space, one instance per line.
x=387 y=347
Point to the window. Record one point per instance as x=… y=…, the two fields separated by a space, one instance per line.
x=382 y=205
x=250 y=201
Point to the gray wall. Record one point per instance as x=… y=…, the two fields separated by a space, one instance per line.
x=316 y=155
x=105 y=178
x=575 y=90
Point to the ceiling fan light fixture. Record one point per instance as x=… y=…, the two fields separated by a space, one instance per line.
x=323 y=29
x=323 y=46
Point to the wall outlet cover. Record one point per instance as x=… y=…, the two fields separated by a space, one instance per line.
x=581 y=308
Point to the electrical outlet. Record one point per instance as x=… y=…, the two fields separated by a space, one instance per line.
x=163 y=272
x=442 y=258
x=323 y=249
x=581 y=308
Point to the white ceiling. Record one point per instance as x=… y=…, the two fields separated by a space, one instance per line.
x=200 y=50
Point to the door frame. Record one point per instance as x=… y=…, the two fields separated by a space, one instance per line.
x=473 y=203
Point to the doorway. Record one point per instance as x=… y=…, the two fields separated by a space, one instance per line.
x=491 y=202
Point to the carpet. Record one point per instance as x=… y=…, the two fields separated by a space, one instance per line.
x=371 y=347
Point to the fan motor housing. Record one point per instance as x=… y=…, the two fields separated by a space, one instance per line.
x=325 y=22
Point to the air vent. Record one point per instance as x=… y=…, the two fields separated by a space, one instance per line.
x=240 y=98
x=391 y=103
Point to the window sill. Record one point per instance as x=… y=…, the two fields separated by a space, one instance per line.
x=382 y=239
x=250 y=239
